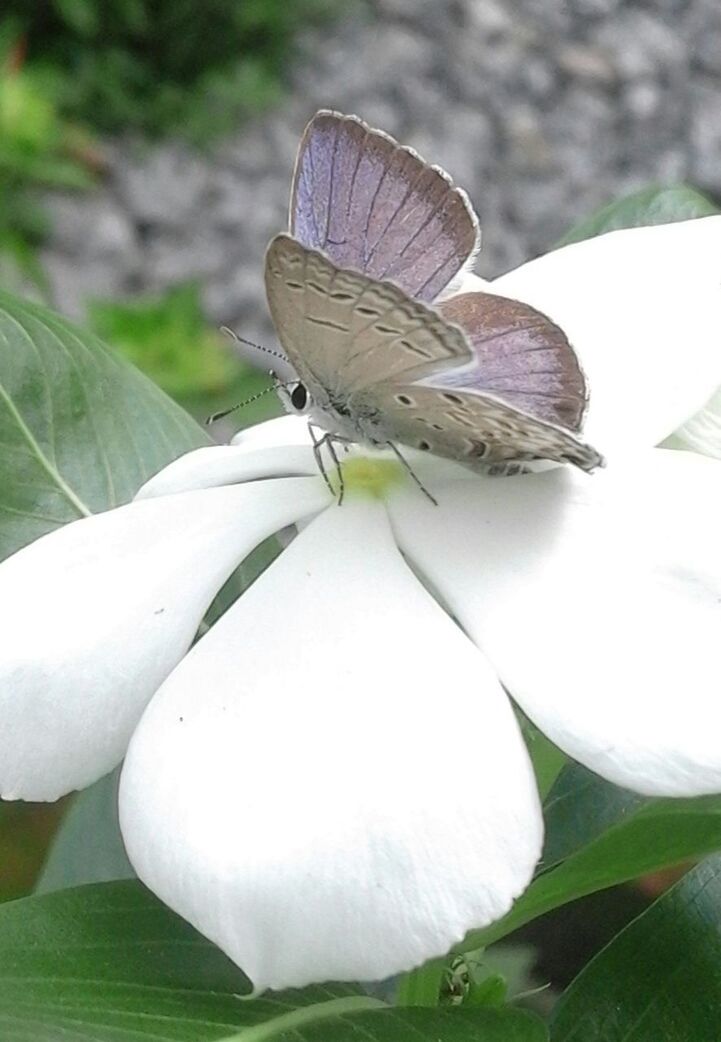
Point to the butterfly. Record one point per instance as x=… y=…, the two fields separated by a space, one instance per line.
x=377 y=236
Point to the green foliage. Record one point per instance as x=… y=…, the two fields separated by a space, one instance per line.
x=658 y=204
x=168 y=338
x=598 y=835
x=109 y=963
x=660 y=978
x=88 y=847
x=81 y=430
x=36 y=150
x=161 y=65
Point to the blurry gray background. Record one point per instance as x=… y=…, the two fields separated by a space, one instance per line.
x=542 y=109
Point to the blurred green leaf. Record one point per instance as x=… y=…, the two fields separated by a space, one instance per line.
x=120 y=64
x=81 y=15
x=654 y=205
x=659 y=980
x=81 y=429
x=109 y=963
x=36 y=149
x=169 y=339
x=88 y=847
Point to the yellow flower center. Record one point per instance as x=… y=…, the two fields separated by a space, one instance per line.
x=369 y=477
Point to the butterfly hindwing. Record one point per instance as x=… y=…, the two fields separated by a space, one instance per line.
x=474 y=429
x=375 y=206
x=520 y=356
x=344 y=331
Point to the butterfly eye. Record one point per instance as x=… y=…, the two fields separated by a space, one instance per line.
x=299 y=397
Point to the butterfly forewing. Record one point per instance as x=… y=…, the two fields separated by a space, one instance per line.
x=344 y=331
x=375 y=206
x=520 y=356
x=475 y=429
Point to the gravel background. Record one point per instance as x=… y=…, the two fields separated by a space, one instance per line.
x=541 y=109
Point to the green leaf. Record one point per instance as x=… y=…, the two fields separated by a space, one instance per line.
x=600 y=835
x=413 y=1024
x=654 y=205
x=80 y=428
x=580 y=807
x=88 y=847
x=109 y=963
x=659 y=980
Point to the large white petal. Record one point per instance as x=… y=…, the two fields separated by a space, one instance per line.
x=642 y=307
x=472 y=283
x=332 y=784
x=598 y=599
x=95 y=615
x=283 y=430
x=216 y=465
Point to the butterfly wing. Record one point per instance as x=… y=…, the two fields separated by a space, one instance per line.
x=520 y=356
x=344 y=331
x=474 y=429
x=375 y=206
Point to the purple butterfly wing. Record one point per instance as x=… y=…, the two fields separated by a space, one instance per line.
x=521 y=356
x=376 y=207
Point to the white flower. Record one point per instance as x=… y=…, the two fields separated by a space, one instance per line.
x=332 y=783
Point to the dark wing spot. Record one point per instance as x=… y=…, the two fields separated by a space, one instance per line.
x=326 y=322
x=368 y=312
x=477 y=449
x=424 y=445
x=452 y=398
x=403 y=399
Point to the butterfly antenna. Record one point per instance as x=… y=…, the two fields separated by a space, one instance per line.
x=241 y=405
x=249 y=343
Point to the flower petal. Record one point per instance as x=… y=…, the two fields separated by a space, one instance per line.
x=641 y=307
x=95 y=615
x=471 y=283
x=217 y=465
x=599 y=602
x=703 y=431
x=283 y=430
x=293 y=790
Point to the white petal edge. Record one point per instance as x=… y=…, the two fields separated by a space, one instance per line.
x=598 y=600
x=291 y=790
x=702 y=432
x=472 y=283
x=283 y=430
x=216 y=465
x=642 y=308
x=95 y=615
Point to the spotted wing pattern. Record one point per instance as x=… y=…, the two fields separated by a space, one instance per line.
x=343 y=331
x=520 y=356
x=474 y=429
x=375 y=206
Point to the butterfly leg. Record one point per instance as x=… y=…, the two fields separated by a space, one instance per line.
x=410 y=470
x=330 y=440
x=318 y=444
